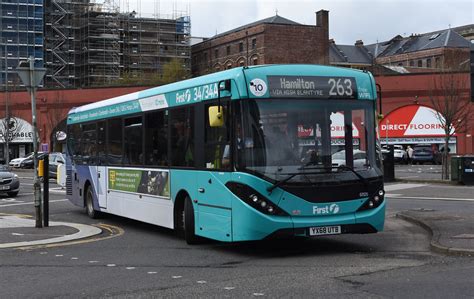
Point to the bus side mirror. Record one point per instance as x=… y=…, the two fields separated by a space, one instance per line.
x=216 y=116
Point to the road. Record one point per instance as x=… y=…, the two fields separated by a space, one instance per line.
x=148 y=261
x=423 y=172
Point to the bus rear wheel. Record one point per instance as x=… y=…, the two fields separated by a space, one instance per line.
x=90 y=204
x=189 y=223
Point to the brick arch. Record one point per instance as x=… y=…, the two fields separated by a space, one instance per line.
x=227 y=62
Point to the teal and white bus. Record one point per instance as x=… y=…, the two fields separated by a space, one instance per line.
x=243 y=154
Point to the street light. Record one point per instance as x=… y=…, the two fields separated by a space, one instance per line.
x=7 y=112
x=32 y=78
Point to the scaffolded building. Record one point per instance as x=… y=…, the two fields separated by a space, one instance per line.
x=21 y=36
x=90 y=44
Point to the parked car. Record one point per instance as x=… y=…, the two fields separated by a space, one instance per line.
x=360 y=158
x=15 y=163
x=425 y=153
x=29 y=161
x=399 y=153
x=9 y=182
x=55 y=159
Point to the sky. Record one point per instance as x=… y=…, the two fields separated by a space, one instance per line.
x=367 y=20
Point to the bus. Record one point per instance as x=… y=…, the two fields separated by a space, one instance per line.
x=248 y=153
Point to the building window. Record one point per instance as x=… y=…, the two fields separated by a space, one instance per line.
x=228 y=50
x=241 y=47
x=428 y=62
x=216 y=53
x=420 y=63
x=229 y=66
x=254 y=43
x=241 y=62
x=255 y=61
x=205 y=56
x=438 y=62
x=412 y=63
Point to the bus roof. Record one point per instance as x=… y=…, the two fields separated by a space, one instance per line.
x=262 y=81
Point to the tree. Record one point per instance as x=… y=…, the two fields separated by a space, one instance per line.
x=174 y=71
x=453 y=109
x=56 y=114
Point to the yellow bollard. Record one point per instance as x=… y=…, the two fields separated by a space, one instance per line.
x=40 y=168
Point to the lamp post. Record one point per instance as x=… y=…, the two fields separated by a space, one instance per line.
x=32 y=78
x=7 y=112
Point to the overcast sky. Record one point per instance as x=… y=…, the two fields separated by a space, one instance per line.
x=369 y=20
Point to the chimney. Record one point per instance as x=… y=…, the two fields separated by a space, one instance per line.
x=322 y=31
x=359 y=43
x=322 y=19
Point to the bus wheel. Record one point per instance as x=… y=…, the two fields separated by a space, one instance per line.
x=90 y=204
x=189 y=223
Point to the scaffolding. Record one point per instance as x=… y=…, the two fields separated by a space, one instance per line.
x=97 y=44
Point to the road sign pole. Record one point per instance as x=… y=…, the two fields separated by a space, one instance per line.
x=36 y=183
x=32 y=77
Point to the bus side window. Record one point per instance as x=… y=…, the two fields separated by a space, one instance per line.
x=156 y=139
x=182 y=137
x=114 y=141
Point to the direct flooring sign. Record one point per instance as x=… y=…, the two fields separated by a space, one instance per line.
x=149 y=182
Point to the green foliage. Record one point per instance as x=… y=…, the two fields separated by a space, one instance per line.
x=174 y=71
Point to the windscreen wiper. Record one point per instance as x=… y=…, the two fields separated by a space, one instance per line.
x=361 y=178
x=292 y=175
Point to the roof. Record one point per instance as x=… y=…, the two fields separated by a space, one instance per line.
x=276 y=19
x=399 y=45
x=349 y=54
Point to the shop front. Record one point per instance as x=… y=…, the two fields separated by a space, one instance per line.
x=19 y=137
x=415 y=125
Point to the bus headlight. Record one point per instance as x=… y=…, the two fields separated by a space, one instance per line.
x=254 y=199
x=373 y=201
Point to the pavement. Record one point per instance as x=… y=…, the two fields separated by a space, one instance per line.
x=451 y=234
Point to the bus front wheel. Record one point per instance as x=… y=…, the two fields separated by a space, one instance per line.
x=90 y=204
x=189 y=223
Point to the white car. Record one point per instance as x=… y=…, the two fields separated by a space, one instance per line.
x=15 y=163
x=360 y=158
x=399 y=153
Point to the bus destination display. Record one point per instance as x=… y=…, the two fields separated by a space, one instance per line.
x=312 y=87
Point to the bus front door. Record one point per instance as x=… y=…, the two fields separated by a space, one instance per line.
x=102 y=186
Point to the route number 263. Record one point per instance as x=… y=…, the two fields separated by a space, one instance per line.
x=340 y=87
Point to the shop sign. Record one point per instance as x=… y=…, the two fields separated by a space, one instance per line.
x=20 y=131
x=412 y=121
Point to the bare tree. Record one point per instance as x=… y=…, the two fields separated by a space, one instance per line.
x=452 y=109
x=56 y=114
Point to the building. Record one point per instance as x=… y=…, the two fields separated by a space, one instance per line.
x=429 y=52
x=90 y=44
x=271 y=40
x=21 y=37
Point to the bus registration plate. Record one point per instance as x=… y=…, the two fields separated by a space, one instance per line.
x=324 y=230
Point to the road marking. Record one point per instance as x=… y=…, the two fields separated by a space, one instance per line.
x=29 y=203
x=397 y=196
x=402 y=186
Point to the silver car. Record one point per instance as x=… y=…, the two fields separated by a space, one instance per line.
x=9 y=182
